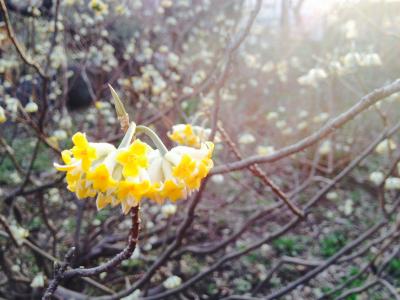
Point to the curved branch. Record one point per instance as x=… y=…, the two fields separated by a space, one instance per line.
x=106 y=267
x=10 y=32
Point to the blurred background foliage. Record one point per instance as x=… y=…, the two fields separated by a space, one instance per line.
x=300 y=64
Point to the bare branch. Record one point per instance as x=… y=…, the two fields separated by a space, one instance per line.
x=28 y=60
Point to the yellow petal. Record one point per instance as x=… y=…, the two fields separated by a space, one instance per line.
x=102 y=201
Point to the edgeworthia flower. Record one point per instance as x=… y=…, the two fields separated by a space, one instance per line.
x=133 y=171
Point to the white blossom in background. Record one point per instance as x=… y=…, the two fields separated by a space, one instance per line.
x=60 y=134
x=303 y=114
x=198 y=77
x=287 y=131
x=325 y=148
x=376 y=177
x=281 y=109
x=168 y=210
x=7 y=64
x=272 y=115
x=38 y=281
x=172 y=282
x=130 y=49
x=247 y=138
x=19 y=233
x=385 y=146
x=218 y=178
x=31 y=107
x=12 y=105
x=348 y=207
x=268 y=67
x=280 y=124
x=321 y=117
x=58 y=57
x=371 y=60
x=265 y=150
x=332 y=195
x=392 y=183
x=187 y=90
x=302 y=125
x=337 y=68
x=15 y=177
x=266 y=250
x=350 y=30
x=313 y=77
x=54 y=195
x=351 y=60
x=173 y=59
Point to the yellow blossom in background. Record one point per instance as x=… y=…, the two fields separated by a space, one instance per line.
x=120 y=9
x=99 y=7
x=3 y=117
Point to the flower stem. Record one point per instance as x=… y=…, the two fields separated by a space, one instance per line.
x=126 y=141
x=154 y=137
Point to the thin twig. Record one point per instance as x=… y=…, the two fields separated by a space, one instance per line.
x=256 y=170
x=21 y=51
x=390 y=288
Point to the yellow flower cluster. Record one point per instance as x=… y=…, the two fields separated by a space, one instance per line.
x=188 y=135
x=133 y=171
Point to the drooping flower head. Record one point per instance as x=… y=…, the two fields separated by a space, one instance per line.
x=134 y=171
